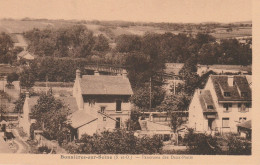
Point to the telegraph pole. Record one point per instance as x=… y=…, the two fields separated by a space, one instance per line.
x=150 y=93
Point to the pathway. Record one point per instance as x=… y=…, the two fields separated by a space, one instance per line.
x=23 y=147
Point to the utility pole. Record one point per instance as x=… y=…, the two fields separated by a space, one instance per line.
x=150 y=93
x=174 y=85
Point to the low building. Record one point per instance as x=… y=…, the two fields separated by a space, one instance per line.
x=221 y=105
x=224 y=69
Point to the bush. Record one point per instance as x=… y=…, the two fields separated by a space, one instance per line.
x=239 y=146
x=117 y=142
x=201 y=144
x=44 y=149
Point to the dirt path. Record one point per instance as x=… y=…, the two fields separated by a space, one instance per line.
x=23 y=147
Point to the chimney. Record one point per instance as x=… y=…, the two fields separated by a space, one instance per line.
x=124 y=74
x=230 y=81
x=96 y=73
x=78 y=74
x=27 y=94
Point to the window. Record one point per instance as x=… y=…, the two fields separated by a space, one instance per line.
x=227 y=106
x=104 y=119
x=227 y=94
x=242 y=107
x=118 y=122
x=225 y=122
x=118 y=105
x=210 y=106
x=102 y=109
x=242 y=119
x=243 y=94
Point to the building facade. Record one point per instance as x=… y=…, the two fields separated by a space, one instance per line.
x=221 y=105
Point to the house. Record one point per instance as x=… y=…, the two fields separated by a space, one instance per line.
x=221 y=105
x=102 y=101
x=98 y=103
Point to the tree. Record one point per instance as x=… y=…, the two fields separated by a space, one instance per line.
x=52 y=117
x=176 y=107
x=12 y=77
x=128 y=43
x=101 y=43
x=27 y=79
x=6 y=46
x=141 y=97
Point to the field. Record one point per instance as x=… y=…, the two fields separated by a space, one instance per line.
x=113 y=29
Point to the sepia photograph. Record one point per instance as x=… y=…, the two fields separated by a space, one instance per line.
x=126 y=79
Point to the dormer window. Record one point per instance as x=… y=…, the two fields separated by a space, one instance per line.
x=210 y=107
x=244 y=94
x=227 y=94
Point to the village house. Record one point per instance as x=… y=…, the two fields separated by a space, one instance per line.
x=103 y=103
x=221 y=105
x=99 y=102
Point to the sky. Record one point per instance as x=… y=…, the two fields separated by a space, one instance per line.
x=186 y=11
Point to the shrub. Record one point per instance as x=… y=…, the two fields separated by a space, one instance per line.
x=201 y=144
x=117 y=142
x=239 y=146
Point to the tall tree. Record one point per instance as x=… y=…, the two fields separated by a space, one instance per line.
x=52 y=117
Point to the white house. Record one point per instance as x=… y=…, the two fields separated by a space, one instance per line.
x=221 y=105
x=103 y=103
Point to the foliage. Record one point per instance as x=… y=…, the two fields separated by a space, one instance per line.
x=51 y=117
x=27 y=78
x=74 y=41
x=101 y=43
x=6 y=49
x=141 y=97
x=117 y=142
x=239 y=146
x=128 y=43
x=12 y=77
x=133 y=123
x=201 y=144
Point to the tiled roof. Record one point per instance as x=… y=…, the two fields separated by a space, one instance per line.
x=70 y=102
x=246 y=124
x=206 y=100
x=105 y=85
x=80 y=118
x=26 y=55
x=220 y=83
